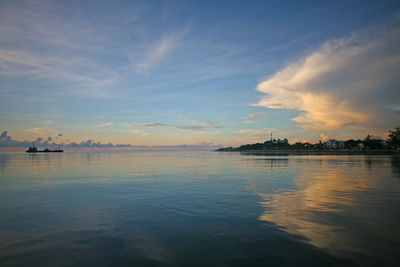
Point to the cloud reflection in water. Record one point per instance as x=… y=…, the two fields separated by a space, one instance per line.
x=344 y=205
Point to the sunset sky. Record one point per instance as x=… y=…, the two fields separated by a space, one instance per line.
x=191 y=72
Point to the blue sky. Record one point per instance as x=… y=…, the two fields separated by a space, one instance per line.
x=184 y=72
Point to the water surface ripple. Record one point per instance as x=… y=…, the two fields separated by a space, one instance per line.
x=198 y=209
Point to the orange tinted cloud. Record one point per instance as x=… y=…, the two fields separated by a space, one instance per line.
x=347 y=82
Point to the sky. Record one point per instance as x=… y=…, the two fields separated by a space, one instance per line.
x=165 y=73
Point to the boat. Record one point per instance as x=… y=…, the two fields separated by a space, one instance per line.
x=33 y=149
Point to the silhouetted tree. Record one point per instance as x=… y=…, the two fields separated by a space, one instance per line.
x=371 y=143
x=395 y=137
x=351 y=144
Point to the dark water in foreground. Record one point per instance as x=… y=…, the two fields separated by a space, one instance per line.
x=198 y=208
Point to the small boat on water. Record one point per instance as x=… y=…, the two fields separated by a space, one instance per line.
x=33 y=149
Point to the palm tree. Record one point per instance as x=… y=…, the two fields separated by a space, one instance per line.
x=395 y=137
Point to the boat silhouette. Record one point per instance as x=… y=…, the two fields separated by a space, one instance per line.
x=33 y=149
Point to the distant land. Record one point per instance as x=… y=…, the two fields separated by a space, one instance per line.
x=369 y=145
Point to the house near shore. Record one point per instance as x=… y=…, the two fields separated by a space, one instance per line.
x=280 y=141
x=334 y=144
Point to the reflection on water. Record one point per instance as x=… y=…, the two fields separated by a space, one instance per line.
x=341 y=204
x=396 y=166
x=198 y=208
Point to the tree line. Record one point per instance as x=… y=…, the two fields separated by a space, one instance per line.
x=368 y=143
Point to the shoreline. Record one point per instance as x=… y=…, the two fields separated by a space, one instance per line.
x=317 y=152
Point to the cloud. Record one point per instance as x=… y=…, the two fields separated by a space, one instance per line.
x=201 y=145
x=210 y=124
x=8 y=141
x=100 y=125
x=39 y=44
x=77 y=71
x=205 y=125
x=41 y=22
x=299 y=140
x=345 y=82
x=257 y=115
x=163 y=47
x=324 y=137
x=156 y=53
x=48 y=122
x=42 y=130
x=152 y=124
x=139 y=132
x=295 y=210
x=185 y=117
x=190 y=128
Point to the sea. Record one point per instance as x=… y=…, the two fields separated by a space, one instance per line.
x=188 y=208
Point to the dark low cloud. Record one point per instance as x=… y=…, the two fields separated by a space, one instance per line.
x=8 y=141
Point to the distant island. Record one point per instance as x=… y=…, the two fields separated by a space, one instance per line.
x=368 y=145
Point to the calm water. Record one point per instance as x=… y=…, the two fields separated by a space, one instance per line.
x=198 y=208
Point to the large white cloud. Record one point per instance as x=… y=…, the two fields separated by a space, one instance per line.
x=347 y=82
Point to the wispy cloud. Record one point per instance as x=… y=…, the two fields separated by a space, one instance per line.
x=257 y=115
x=152 y=57
x=205 y=124
x=137 y=132
x=153 y=124
x=210 y=124
x=101 y=125
x=48 y=122
x=185 y=117
x=39 y=44
x=42 y=131
x=190 y=127
x=346 y=82
x=76 y=71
